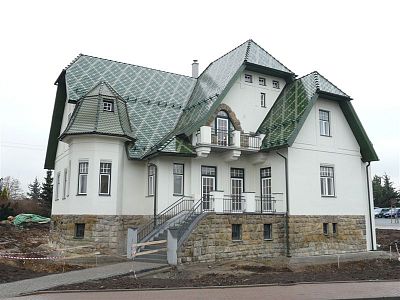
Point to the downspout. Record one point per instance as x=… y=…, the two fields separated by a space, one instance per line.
x=155 y=194
x=369 y=208
x=287 y=205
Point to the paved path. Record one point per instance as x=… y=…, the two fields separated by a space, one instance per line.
x=41 y=283
x=354 y=290
x=382 y=223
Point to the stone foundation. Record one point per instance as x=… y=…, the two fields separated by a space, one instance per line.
x=211 y=240
x=103 y=233
x=307 y=236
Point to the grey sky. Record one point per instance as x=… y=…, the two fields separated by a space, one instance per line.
x=355 y=44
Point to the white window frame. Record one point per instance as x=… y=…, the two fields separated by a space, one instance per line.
x=327 y=180
x=324 y=124
x=151 y=170
x=179 y=175
x=275 y=84
x=108 y=105
x=83 y=172
x=262 y=81
x=105 y=172
x=65 y=183
x=69 y=178
x=248 y=78
x=262 y=98
x=58 y=185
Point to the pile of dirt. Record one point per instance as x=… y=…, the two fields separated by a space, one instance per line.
x=386 y=237
x=380 y=269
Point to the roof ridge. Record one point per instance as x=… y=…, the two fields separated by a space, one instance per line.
x=246 y=56
x=271 y=55
x=124 y=63
x=331 y=83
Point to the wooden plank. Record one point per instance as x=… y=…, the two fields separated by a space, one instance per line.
x=149 y=243
x=149 y=252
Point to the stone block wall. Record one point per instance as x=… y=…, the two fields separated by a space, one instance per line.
x=106 y=233
x=307 y=237
x=211 y=240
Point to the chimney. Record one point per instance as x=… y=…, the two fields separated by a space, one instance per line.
x=195 y=69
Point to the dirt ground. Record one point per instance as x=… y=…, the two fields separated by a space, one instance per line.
x=30 y=240
x=27 y=242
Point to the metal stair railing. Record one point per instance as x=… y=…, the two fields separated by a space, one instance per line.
x=197 y=209
x=183 y=204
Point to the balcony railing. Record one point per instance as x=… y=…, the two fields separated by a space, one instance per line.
x=265 y=204
x=250 y=141
x=227 y=138
x=234 y=204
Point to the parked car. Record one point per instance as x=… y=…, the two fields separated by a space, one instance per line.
x=377 y=211
x=392 y=212
x=382 y=212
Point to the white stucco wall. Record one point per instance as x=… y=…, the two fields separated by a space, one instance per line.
x=341 y=151
x=245 y=99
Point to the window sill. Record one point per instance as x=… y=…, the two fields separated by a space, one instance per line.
x=333 y=196
x=268 y=240
x=177 y=195
x=325 y=135
x=81 y=194
x=105 y=195
x=237 y=241
x=149 y=196
x=78 y=238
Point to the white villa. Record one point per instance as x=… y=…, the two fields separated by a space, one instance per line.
x=246 y=160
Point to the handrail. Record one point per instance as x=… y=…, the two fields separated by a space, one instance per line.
x=182 y=204
x=196 y=206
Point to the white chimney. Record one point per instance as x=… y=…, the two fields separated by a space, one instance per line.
x=195 y=69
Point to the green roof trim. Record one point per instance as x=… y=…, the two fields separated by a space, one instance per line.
x=56 y=121
x=289 y=112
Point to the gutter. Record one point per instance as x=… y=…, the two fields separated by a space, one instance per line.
x=287 y=206
x=369 y=208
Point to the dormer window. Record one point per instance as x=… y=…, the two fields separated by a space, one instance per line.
x=248 y=78
x=108 y=105
x=275 y=84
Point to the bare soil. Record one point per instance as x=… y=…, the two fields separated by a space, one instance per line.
x=27 y=241
x=30 y=239
x=247 y=274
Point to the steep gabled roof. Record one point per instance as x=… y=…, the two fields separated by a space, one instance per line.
x=289 y=112
x=90 y=118
x=216 y=80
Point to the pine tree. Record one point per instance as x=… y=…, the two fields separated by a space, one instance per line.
x=46 y=194
x=34 y=190
x=383 y=191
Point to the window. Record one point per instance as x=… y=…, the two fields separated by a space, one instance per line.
x=325 y=228
x=334 y=228
x=262 y=99
x=178 y=179
x=79 y=230
x=248 y=78
x=324 y=123
x=65 y=183
x=150 y=180
x=236 y=232
x=82 y=178
x=261 y=81
x=105 y=178
x=275 y=84
x=327 y=181
x=58 y=186
x=267 y=231
x=108 y=105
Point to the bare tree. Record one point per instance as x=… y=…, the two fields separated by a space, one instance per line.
x=13 y=188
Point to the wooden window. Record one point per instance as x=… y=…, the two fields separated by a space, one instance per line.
x=327 y=181
x=151 y=180
x=248 y=78
x=261 y=81
x=324 y=123
x=236 y=232
x=275 y=84
x=108 y=105
x=105 y=179
x=325 y=228
x=178 y=172
x=83 y=177
x=263 y=100
x=334 y=228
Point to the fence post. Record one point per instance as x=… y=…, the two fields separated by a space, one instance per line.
x=172 y=246
x=130 y=240
x=250 y=201
x=218 y=197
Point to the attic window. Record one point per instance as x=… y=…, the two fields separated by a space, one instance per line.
x=248 y=78
x=275 y=84
x=108 y=105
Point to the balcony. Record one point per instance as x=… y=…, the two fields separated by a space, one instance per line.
x=222 y=140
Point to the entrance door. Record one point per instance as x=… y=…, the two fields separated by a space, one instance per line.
x=208 y=179
x=266 y=191
x=222 y=131
x=237 y=188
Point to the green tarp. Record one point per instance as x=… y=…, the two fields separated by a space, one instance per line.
x=30 y=218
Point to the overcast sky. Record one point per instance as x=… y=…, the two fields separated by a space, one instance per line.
x=355 y=44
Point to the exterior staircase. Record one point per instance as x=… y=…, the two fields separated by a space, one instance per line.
x=181 y=219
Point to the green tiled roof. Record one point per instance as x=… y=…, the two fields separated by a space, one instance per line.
x=290 y=110
x=90 y=118
x=155 y=99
